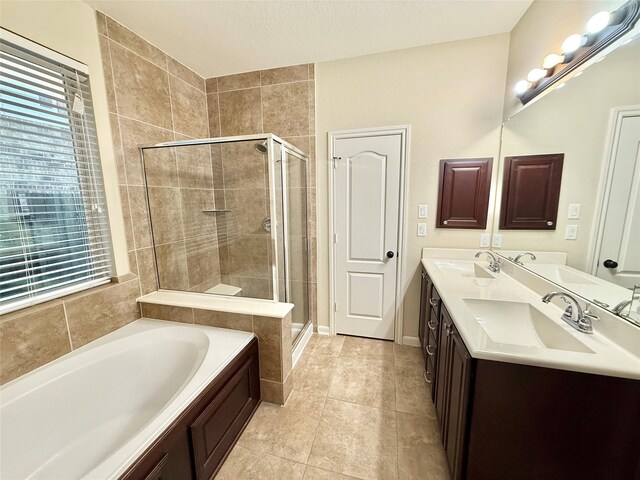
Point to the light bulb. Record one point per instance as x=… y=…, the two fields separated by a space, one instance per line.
x=522 y=86
x=572 y=43
x=536 y=74
x=598 y=22
x=552 y=60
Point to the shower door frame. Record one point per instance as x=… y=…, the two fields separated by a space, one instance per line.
x=271 y=139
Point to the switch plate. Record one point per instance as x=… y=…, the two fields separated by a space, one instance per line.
x=422 y=229
x=574 y=211
x=422 y=211
x=571 y=232
x=485 y=239
x=497 y=240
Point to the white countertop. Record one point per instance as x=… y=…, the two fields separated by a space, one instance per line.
x=219 y=303
x=606 y=358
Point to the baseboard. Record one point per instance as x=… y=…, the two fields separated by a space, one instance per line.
x=323 y=330
x=302 y=343
x=411 y=341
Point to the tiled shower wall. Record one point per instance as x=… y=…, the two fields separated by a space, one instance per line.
x=279 y=101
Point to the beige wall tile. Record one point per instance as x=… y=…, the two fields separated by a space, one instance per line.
x=313 y=303
x=101 y=21
x=240 y=80
x=211 y=85
x=101 y=311
x=251 y=287
x=294 y=73
x=249 y=209
x=272 y=392
x=126 y=216
x=139 y=216
x=194 y=166
x=196 y=223
x=233 y=321
x=312 y=70
x=286 y=109
x=270 y=340
x=287 y=345
x=167 y=312
x=142 y=88
x=213 y=110
x=133 y=262
x=147 y=270
x=249 y=256
x=240 y=112
x=243 y=166
x=117 y=149
x=161 y=162
x=203 y=262
x=171 y=261
x=108 y=73
x=30 y=338
x=189 y=109
x=166 y=214
x=312 y=108
x=185 y=73
x=135 y=43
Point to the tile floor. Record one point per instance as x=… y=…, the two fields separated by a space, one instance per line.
x=359 y=408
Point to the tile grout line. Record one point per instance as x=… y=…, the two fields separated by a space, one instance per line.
x=66 y=320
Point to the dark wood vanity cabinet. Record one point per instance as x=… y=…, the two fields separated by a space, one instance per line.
x=511 y=421
x=428 y=329
x=196 y=444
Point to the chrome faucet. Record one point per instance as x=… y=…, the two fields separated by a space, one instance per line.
x=579 y=319
x=494 y=263
x=517 y=259
x=618 y=309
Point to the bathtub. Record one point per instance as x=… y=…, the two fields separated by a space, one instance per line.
x=90 y=414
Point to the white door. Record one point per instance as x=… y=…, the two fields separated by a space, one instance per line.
x=366 y=214
x=619 y=259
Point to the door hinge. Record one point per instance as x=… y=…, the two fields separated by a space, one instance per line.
x=335 y=159
x=335 y=238
x=335 y=307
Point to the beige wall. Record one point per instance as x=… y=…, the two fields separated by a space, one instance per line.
x=451 y=94
x=50 y=24
x=541 y=31
x=575 y=121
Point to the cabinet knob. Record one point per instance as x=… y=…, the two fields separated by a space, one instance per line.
x=446 y=222
x=550 y=223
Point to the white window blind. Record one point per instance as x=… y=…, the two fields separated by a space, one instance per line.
x=54 y=233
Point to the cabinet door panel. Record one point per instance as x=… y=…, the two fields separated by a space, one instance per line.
x=441 y=371
x=459 y=382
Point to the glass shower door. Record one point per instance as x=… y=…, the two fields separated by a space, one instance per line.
x=294 y=169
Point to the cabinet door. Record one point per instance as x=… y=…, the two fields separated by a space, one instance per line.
x=424 y=309
x=441 y=370
x=459 y=384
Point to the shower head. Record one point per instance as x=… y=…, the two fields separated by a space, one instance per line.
x=261 y=147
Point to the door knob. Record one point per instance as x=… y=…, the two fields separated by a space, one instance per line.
x=610 y=264
x=390 y=254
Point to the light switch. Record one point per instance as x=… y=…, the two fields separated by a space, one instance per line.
x=422 y=211
x=571 y=232
x=422 y=229
x=497 y=240
x=574 y=211
x=485 y=239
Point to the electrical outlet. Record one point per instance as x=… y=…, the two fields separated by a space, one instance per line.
x=571 y=232
x=497 y=240
x=422 y=229
x=485 y=239
x=574 y=211
x=422 y=211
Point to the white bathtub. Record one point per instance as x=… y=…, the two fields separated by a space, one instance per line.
x=91 y=413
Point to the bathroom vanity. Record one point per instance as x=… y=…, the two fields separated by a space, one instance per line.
x=517 y=393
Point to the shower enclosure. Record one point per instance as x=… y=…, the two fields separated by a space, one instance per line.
x=228 y=216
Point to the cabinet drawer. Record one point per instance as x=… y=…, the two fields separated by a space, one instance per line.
x=217 y=427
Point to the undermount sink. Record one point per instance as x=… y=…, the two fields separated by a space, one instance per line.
x=463 y=269
x=519 y=323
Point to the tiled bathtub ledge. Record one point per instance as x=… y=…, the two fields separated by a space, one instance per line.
x=270 y=321
x=246 y=306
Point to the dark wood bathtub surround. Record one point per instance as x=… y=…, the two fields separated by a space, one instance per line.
x=274 y=336
x=196 y=444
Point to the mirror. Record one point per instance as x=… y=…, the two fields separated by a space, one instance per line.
x=594 y=121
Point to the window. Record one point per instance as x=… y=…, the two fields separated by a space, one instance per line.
x=54 y=233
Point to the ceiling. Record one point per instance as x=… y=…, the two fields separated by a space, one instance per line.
x=222 y=37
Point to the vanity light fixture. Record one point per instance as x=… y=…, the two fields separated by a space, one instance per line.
x=602 y=29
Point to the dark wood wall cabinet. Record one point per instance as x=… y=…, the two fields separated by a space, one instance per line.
x=463 y=197
x=507 y=421
x=197 y=443
x=530 y=192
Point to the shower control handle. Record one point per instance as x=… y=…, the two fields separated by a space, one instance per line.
x=390 y=254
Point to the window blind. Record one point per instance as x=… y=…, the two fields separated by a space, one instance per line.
x=54 y=232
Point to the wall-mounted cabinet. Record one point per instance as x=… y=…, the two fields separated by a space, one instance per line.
x=463 y=197
x=530 y=192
